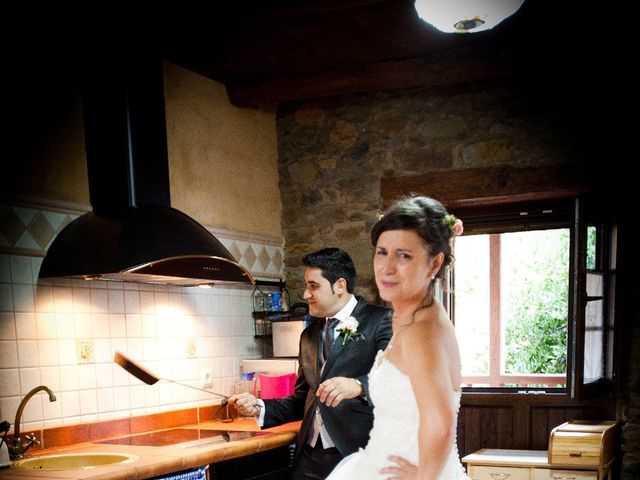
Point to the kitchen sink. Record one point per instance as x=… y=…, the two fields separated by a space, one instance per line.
x=73 y=461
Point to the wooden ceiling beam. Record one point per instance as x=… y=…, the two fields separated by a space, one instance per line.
x=449 y=69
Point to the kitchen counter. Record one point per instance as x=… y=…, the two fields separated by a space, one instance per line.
x=167 y=451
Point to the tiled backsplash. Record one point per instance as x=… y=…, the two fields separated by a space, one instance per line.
x=63 y=333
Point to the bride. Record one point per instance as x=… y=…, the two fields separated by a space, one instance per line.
x=415 y=384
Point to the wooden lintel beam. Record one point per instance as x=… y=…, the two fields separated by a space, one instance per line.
x=490 y=185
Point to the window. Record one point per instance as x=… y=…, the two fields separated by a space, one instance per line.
x=511 y=294
x=528 y=280
x=592 y=324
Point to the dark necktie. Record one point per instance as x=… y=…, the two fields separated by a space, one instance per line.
x=328 y=336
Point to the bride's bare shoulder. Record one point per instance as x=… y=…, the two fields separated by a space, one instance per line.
x=428 y=327
x=431 y=318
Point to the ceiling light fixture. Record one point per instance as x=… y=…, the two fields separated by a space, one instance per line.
x=466 y=16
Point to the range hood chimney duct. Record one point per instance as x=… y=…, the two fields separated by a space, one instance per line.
x=133 y=234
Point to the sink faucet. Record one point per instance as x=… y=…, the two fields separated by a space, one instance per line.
x=18 y=448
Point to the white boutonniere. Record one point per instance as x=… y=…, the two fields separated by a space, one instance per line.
x=348 y=328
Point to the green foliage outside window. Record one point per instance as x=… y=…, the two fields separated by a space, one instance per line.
x=535 y=306
x=591 y=248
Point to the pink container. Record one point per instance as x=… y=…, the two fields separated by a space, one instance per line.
x=276 y=386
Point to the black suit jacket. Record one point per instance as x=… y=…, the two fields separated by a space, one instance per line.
x=349 y=423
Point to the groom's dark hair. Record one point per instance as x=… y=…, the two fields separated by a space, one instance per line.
x=335 y=263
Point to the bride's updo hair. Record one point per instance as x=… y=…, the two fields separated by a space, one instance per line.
x=428 y=218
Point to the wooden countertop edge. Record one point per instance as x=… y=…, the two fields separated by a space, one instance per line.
x=154 y=461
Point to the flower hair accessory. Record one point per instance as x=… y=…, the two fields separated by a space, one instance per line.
x=348 y=328
x=453 y=224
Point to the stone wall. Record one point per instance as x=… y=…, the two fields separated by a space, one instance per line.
x=333 y=154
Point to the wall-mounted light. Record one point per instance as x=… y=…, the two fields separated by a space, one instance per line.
x=466 y=16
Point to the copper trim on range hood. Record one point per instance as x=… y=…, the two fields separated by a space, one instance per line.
x=133 y=234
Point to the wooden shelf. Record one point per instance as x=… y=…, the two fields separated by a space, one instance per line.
x=284 y=316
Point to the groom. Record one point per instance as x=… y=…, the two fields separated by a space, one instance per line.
x=331 y=394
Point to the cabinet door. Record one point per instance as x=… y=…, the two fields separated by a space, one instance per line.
x=477 y=472
x=554 y=474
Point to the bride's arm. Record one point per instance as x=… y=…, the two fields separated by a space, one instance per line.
x=424 y=356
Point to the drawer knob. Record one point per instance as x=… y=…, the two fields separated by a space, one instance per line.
x=500 y=476
x=562 y=477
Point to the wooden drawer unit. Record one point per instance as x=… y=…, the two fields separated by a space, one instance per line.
x=478 y=472
x=582 y=443
x=556 y=474
x=500 y=464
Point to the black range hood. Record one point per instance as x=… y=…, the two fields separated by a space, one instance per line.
x=133 y=234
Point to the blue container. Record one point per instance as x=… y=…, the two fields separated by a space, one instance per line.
x=276 y=301
x=272 y=302
x=198 y=474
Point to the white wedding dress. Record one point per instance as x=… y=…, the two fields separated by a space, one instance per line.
x=395 y=428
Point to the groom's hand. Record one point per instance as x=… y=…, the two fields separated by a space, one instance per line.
x=332 y=391
x=246 y=404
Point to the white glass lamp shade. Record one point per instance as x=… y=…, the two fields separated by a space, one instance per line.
x=461 y=16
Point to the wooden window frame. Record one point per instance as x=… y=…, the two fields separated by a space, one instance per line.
x=500 y=187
